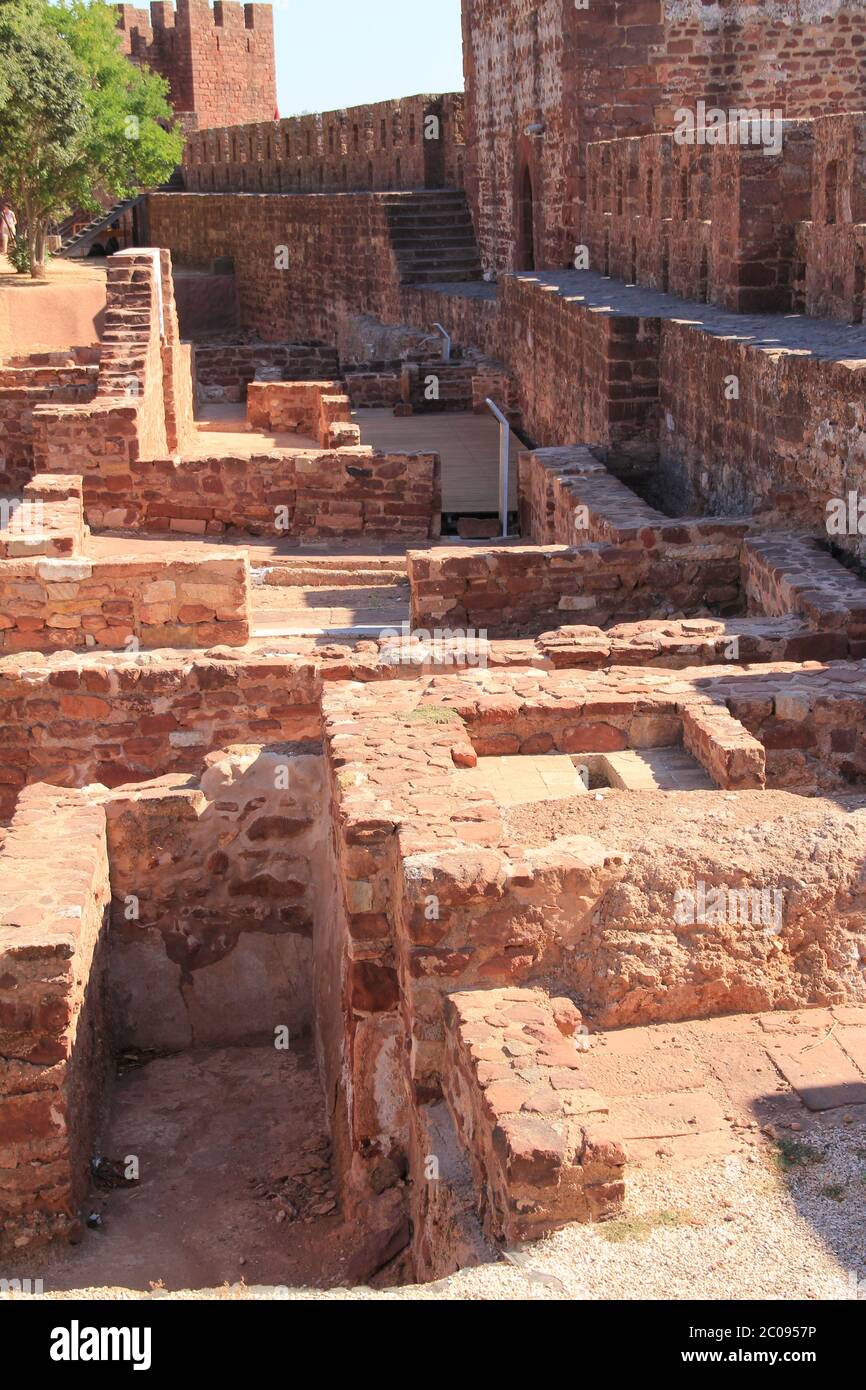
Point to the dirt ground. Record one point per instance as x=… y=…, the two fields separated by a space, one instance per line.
x=736 y=1187
x=235 y=1179
x=672 y=823
x=64 y=310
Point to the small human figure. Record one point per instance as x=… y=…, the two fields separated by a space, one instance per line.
x=8 y=223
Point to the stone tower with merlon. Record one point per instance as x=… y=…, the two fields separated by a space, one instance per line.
x=219 y=61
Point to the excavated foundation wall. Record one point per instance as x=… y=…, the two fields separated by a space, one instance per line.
x=54 y=895
x=122 y=719
x=214 y=889
x=31 y=380
x=441 y=889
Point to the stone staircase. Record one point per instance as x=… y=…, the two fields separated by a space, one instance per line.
x=71 y=244
x=433 y=237
x=453 y=384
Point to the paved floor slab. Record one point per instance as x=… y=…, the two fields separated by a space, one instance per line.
x=522 y=779
x=821 y=1072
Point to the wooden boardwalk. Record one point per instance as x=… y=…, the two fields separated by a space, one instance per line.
x=467 y=443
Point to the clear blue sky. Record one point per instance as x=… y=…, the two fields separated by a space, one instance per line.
x=333 y=53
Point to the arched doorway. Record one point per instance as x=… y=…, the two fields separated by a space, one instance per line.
x=526 y=213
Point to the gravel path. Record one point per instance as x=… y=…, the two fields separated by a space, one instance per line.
x=740 y=1227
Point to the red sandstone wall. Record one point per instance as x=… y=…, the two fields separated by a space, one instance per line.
x=792 y=440
x=833 y=243
x=110 y=719
x=520 y=589
x=223 y=372
x=143 y=407
x=63 y=604
x=620 y=68
x=53 y=899
x=28 y=382
x=390 y=145
x=219 y=950
x=580 y=375
x=712 y=224
x=337 y=255
x=340 y=492
x=219 y=62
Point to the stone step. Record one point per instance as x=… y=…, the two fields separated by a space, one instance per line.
x=424 y=252
x=459 y=237
x=305 y=576
x=442 y=277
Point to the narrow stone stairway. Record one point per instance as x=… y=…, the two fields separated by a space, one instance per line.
x=433 y=237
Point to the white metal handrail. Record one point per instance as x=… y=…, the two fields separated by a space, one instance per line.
x=504 y=462
x=446 y=348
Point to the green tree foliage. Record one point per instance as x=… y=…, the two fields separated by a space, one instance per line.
x=79 y=122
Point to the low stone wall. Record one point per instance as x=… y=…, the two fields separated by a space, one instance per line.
x=224 y=371
x=470 y=318
x=791 y=574
x=31 y=381
x=117 y=717
x=514 y=590
x=567 y=496
x=48 y=521
x=63 y=604
x=375 y=390
x=319 y=409
x=303 y=494
x=212 y=942
x=733 y=758
x=54 y=893
x=814 y=741
x=538 y=1151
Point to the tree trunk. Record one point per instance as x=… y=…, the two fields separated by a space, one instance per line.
x=36 y=242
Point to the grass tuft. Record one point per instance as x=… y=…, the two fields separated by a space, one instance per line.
x=640 y=1228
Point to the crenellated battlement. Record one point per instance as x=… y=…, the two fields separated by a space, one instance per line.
x=218 y=62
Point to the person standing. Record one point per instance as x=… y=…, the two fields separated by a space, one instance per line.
x=8 y=223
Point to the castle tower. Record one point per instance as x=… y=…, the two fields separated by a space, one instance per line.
x=219 y=62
